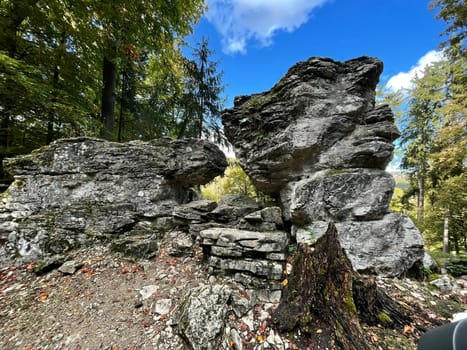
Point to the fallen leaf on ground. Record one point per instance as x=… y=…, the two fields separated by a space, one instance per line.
x=408 y=329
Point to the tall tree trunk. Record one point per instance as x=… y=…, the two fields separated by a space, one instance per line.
x=446 y=231
x=5 y=131
x=109 y=83
x=4 y=148
x=421 y=198
x=122 y=106
x=51 y=121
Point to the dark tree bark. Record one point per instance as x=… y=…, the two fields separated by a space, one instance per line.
x=109 y=80
x=51 y=120
x=325 y=297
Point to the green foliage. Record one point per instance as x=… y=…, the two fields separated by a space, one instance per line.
x=434 y=140
x=234 y=181
x=396 y=201
x=385 y=319
x=51 y=59
x=201 y=102
x=454 y=13
x=457 y=266
x=394 y=99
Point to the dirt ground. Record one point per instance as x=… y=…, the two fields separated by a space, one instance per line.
x=114 y=303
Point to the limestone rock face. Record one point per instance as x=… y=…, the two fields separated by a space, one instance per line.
x=261 y=254
x=350 y=194
x=79 y=190
x=201 y=318
x=239 y=240
x=320 y=115
x=388 y=246
x=317 y=142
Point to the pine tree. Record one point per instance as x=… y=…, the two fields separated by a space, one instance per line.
x=202 y=101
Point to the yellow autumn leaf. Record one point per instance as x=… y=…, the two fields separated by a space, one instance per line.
x=285 y=282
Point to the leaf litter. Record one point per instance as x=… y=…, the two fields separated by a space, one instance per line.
x=110 y=302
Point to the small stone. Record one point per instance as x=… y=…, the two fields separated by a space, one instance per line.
x=237 y=341
x=444 y=284
x=248 y=320
x=70 y=267
x=263 y=315
x=147 y=291
x=163 y=306
x=271 y=338
x=240 y=304
x=49 y=264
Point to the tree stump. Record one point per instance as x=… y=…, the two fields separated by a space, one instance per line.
x=324 y=298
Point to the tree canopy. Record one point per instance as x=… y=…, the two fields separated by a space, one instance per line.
x=114 y=69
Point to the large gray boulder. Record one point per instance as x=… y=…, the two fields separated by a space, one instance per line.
x=388 y=246
x=320 y=115
x=77 y=191
x=201 y=316
x=317 y=142
x=348 y=194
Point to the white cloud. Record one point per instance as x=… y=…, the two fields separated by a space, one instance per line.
x=240 y=21
x=403 y=80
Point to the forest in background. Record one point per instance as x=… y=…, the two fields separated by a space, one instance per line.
x=117 y=70
x=431 y=116
x=431 y=185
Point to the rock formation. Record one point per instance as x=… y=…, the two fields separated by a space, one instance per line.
x=239 y=240
x=81 y=190
x=317 y=142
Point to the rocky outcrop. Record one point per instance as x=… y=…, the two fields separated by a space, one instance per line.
x=202 y=315
x=321 y=115
x=240 y=253
x=317 y=142
x=388 y=246
x=77 y=191
x=239 y=240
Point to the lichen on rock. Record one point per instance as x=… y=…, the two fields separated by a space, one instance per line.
x=78 y=191
x=318 y=142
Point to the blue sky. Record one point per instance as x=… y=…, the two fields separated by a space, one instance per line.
x=256 y=41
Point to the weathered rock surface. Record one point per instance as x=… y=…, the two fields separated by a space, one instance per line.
x=317 y=142
x=233 y=207
x=193 y=212
x=267 y=219
x=202 y=315
x=233 y=251
x=350 y=194
x=388 y=246
x=321 y=114
x=79 y=190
